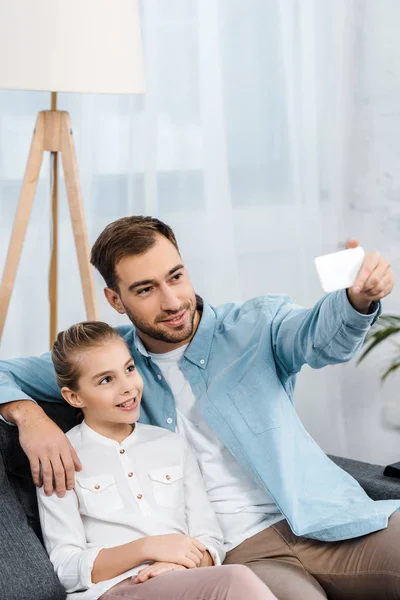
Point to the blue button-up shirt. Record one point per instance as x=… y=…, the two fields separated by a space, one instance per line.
x=241 y=365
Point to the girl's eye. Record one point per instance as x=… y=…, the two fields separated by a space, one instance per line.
x=105 y=380
x=131 y=368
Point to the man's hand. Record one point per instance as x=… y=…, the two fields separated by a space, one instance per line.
x=52 y=459
x=174 y=548
x=157 y=568
x=374 y=281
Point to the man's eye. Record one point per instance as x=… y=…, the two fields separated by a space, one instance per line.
x=131 y=368
x=177 y=276
x=105 y=380
x=144 y=291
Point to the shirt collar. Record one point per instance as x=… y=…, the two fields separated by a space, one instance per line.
x=198 y=351
x=102 y=439
x=199 y=348
x=139 y=345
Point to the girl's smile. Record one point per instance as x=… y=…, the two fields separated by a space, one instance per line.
x=129 y=404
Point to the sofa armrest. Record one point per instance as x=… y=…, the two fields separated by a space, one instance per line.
x=371 y=478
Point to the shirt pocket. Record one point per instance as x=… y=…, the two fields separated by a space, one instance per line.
x=100 y=494
x=167 y=485
x=256 y=397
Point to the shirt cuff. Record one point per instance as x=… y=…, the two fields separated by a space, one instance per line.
x=352 y=317
x=86 y=567
x=217 y=556
x=8 y=422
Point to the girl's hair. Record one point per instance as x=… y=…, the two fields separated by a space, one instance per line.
x=75 y=339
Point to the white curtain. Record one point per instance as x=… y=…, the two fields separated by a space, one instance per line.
x=242 y=144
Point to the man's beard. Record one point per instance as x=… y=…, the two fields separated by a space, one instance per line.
x=180 y=334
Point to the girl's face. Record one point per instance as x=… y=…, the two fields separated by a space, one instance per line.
x=109 y=387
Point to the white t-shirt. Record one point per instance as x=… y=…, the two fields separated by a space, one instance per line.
x=242 y=507
x=149 y=484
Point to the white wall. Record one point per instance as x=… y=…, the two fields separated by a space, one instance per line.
x=366 y=409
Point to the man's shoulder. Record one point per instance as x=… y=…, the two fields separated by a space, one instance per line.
x=125 y=331
x=235 y=312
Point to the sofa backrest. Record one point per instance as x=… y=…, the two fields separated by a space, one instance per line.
x=16 y=462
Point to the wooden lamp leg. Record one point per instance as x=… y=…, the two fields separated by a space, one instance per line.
x=53 y=277
x=24 y=209
x=52 y=133
x=70 y=167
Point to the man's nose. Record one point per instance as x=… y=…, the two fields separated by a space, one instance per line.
x=169 y=300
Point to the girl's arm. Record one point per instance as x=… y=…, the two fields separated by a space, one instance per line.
x=80 y=565
x=200 y=517
x=179 y=549
x=74 y=560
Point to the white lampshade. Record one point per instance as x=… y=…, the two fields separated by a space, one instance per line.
x=89 y=46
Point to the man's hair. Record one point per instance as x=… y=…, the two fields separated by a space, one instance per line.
x=126 y=237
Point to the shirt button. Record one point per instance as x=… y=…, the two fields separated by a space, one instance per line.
x=202 y=361
x=122 y=451
x=130 y=474
x=168 y=477
x=97 y=487
x=169 y=420
x=139 y=496
x=159 y=377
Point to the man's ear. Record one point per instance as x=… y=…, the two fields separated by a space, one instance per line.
x=114 y=300
x=72 y=398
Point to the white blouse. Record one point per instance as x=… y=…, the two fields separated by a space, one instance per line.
x=149 y=484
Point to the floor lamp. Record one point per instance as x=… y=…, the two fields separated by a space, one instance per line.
x=87 y=46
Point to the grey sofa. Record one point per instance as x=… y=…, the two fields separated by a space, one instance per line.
x=25 y=571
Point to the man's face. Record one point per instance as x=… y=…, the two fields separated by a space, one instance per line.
x=157 y=295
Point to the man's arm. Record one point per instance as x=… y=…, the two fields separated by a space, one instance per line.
x=331 y=332
x=31 y=378
x=334 y=330
x=52 y=459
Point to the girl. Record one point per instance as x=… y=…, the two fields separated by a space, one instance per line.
x=138 y=523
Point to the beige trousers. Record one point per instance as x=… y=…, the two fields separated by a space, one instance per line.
x=233 y=582
x=298 y=568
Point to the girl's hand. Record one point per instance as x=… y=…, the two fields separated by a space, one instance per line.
x=157 y=568
x=174 y=548
x=207 y=560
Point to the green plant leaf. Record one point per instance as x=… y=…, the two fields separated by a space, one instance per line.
x=377 y=337
x=389 y=320
x=394 y=366
x=386 y=326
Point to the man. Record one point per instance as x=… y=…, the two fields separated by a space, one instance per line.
x=224 y=378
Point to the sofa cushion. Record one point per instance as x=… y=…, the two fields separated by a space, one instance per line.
x=377 y=485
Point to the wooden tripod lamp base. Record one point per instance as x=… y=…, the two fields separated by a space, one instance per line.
x=52 y=133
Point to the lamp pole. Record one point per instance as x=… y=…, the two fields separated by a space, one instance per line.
x=53 y=278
